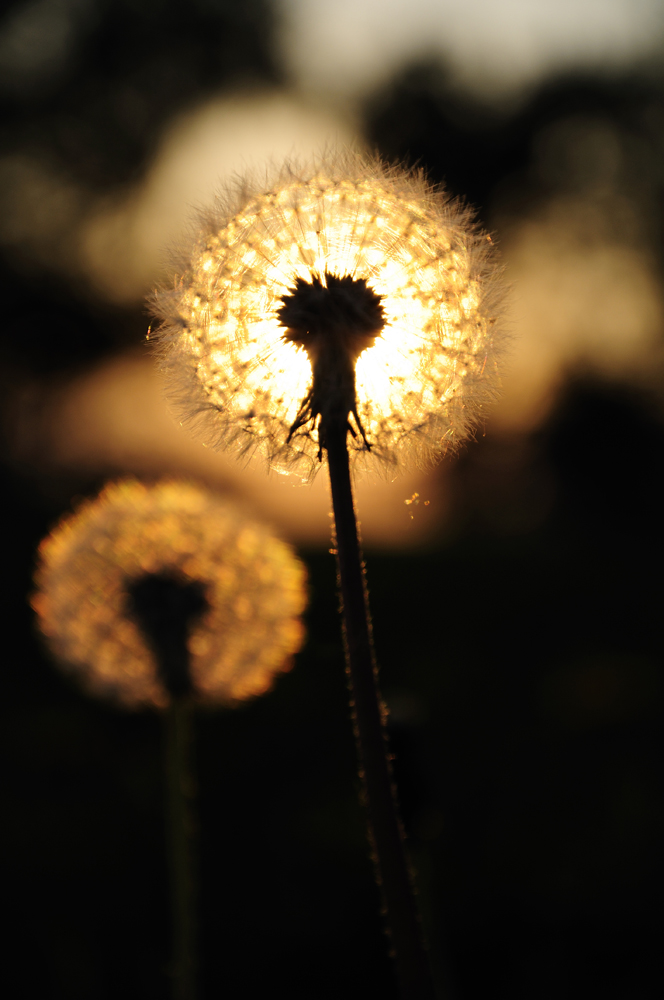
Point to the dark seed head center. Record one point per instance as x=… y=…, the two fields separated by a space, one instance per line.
x=333 y=313
x=166 y=607
x=334 y=319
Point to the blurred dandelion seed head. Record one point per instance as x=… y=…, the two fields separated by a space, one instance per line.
x=431 y=361
x=254 y=590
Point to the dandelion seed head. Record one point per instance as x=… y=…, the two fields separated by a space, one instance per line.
x=426 y=347
x=252 y=584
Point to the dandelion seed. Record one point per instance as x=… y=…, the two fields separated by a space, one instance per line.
x=348 y=243
x=251 y=583
x=162 y=596
x=348 y=307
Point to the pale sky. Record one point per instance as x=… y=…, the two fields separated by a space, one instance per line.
x=347 y=47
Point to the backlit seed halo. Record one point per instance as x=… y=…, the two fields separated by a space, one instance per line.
x=422 y=384
x=253 y=584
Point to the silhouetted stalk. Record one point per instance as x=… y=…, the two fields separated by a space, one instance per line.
x=90 y=590
x=180 y=827
x=385 y=828
x=377 y=264
x=165 y=607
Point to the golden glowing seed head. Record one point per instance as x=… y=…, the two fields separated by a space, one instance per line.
x=253 y=585
x=423 y=379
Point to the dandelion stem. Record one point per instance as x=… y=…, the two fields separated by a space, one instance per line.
x=385 y=828
x=165 y=608
x=178 y=747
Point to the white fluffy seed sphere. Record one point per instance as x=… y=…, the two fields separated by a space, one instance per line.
x=420 y=387
x=253 y=584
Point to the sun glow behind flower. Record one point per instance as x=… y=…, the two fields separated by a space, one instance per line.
x=417 y=251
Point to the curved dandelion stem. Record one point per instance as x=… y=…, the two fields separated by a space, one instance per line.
x=385 y=828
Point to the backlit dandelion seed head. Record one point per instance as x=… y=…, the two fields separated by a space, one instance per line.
x=424 y=377
x=253 y=586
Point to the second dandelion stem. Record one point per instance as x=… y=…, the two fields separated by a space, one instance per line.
x=385 y=827
x=178 y=734
x=165 y=607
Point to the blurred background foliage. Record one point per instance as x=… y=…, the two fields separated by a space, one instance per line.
x=517 y=615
